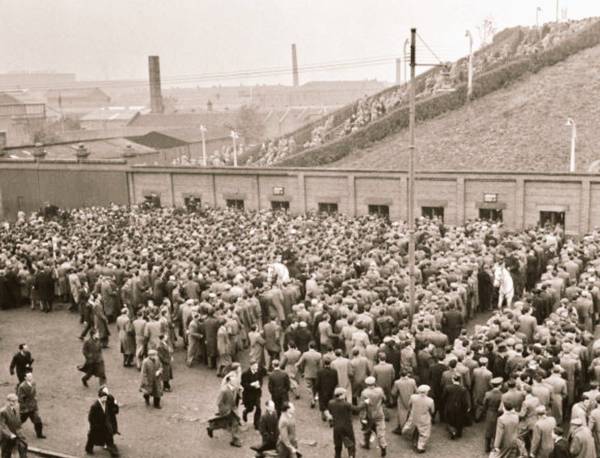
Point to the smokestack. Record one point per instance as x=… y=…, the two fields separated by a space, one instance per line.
x=398 y=71
x=156 y=101
x=295 y=65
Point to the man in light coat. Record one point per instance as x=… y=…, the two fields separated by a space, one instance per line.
x=402 y=391
x=507 y=431
x=422 y=409
x=581 y=440
x=542 y=442
x=152 y=379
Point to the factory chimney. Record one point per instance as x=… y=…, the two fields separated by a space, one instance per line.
x=295 y=65
x=156 y=101
x=398 y=71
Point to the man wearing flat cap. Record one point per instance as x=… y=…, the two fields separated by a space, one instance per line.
x=152 y=379
x=422 y=410
x=491 y=406
x=341 y=416
x=374 y=420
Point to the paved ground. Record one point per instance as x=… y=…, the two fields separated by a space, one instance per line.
x=178 y=430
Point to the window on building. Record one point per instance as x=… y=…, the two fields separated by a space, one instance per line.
x=192 y=203
x=151 y=200
x=238 y=204
x=327 y=207
x=490 y=214
x=280 y=205
x=433 y=212
x=379 y=210
x=552 y=218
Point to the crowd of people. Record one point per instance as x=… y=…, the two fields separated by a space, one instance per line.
x=315 y=308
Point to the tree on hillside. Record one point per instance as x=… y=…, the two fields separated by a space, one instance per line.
x=250 y=124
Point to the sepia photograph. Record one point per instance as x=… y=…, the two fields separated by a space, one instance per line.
x=300 y=228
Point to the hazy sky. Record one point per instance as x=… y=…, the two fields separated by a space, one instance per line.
x=112 y=38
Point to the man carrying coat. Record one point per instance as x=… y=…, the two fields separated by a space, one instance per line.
x=226 y=417
x=422 y=410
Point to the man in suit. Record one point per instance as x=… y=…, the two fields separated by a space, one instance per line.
x=28 y=405
x=528 y=323
x=341 y=416
x=272 y=332
x=309 y=365
x=327 y=381
x=21 y=363
x=422 y=410
x=11 y=434
x=491 y=405
x=269 y=430
x=279 y=386
x=226 y=417
x=94 y=361
x=252 y=380
x=507 y=431
x=102 y=420
x=482 y=377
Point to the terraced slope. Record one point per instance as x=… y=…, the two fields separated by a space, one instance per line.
x=518 y=128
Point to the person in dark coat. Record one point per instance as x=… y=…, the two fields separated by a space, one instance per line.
x=269 y=430
x=94 y=361
x=211 y=326
x=456 y=407
x=485 y=288
x=28 y=406
x=103 y=424
x=341 y=414
x=327 y=381
x=21 y=363
x=252 y=380
x=279 y=386
x=561 y=445
x=437 y=390
x=452 y=323
x=43 y=282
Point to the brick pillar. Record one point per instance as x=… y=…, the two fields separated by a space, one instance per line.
x=460 y=200
x=257 y=193
x=171 y=190
x=351 y=195
x=585 y=199
x=301 y=193
x=402 y=199
x=520 y=204
x=214 y=189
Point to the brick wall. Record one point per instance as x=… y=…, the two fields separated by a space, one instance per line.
x=520 y=197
